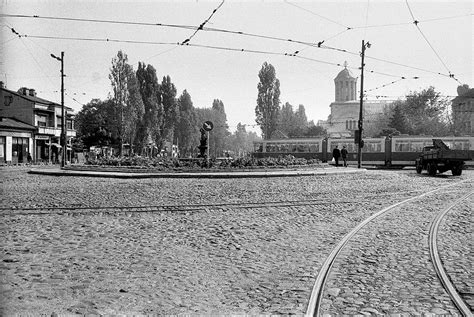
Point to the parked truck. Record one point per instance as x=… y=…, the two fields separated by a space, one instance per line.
x=440 y=158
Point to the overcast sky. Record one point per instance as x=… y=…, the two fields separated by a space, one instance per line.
x=399 y=49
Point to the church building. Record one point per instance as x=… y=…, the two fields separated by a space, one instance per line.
x=344 y=117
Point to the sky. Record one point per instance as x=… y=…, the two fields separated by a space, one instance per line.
x=225 y=65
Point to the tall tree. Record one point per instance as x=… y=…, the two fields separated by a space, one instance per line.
x=286 y=122
x=219 y=134
x=187 y=130
x=134 y=112
x=170 y=109
x=152 y=121
x=120 y=73
x=268 y=100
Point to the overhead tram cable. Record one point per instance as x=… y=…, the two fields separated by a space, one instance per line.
x=202 y=24
x=295 y=54
x=315 y=45
x=416 y=22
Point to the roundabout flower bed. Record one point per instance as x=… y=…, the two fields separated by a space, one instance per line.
x=143 y=164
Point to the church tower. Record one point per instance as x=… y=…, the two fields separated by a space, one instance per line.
x=346 y=85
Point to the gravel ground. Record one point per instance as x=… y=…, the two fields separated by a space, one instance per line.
x=223 y=260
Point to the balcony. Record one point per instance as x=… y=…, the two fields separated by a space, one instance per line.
x=56 y=131
x=49 y=130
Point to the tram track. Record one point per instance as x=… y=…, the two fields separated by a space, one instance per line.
x=78 y=208
x=168 y=208
x=315 y=301
x=443 y=276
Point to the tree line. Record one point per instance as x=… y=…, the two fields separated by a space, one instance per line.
x=146 y=116
x=424 y=112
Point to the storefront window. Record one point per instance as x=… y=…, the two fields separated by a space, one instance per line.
x=20 y=150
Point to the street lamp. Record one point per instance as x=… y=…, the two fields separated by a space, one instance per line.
x=63 y=118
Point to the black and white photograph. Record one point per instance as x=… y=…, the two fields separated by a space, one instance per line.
x=236 y=158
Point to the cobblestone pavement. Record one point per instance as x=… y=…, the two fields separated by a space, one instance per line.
x=216 y=261
x=386 y=268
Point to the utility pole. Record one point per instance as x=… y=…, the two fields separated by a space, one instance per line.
x=359 y=141
x=63 y=116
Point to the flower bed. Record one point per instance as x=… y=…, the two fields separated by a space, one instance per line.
x=144 y=164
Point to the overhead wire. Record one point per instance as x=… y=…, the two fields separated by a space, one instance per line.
x=243 y=50
x=316 y=14
x=387 y=84
x=416 y=22
x=201 y=26
x=227 y=49
x=178 y=26
x=311 y=44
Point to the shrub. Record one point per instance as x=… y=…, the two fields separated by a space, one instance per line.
x=165 y=163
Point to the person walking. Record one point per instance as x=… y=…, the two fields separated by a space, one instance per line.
x=344 y=155
x=336 y=154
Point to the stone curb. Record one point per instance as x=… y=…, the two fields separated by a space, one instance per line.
x=256 y=174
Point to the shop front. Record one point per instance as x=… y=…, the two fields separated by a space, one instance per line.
x=16 y=141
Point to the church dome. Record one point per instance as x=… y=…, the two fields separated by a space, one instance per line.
x=344 y=75
x=346 y=85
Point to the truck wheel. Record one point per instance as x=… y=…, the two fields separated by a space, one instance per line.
x=432 y=168
x=419 y=167
x=456 y=170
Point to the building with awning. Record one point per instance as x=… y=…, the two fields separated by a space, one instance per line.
x=46 y=116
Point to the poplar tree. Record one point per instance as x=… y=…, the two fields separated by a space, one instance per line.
x=126 y=98
x=150 y=125
x=268 y=100
x=187 y=130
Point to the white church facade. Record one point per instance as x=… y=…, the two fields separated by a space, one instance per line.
x=344 y=117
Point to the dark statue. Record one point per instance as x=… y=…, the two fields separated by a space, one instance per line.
x=203 y=143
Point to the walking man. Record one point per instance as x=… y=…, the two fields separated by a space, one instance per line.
x=336 y=154
x=344 y=155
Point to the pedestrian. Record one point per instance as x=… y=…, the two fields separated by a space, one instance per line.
x=344 y=155
x=336 y=154
x=29 y=158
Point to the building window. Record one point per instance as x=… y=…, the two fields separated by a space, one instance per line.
x=41 y=120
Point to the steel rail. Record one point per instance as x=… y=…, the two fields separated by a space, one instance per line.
x=438 y=265
x=314 y=304
x=236 y=204
x=319 y=201
x=174 y=208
